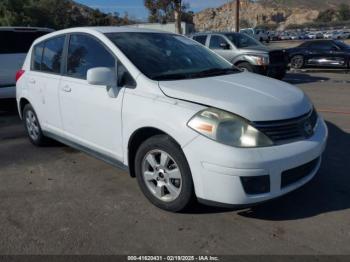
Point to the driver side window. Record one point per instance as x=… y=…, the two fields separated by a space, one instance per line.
x=85 y=53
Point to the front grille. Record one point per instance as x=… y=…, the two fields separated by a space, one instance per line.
x=293 y=175
x=277 y=57
x=282 y=131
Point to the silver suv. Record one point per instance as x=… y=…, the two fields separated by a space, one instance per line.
x=246 y=53
x=14 y=45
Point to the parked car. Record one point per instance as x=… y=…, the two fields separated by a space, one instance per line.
x=303 y=36
x=285 y=36
x=294 y=36
x=312 y=35
x=14 y=45
x=328 y=35
x=246 y=53
x=340 y=35
x=258 y=34
x=176 y=115
x=320 y=53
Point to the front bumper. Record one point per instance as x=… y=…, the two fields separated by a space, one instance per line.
x=272 y=70
x=217 y=169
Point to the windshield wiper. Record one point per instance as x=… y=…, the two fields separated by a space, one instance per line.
x=208 y=72
x=215 y=72
x=171 y=77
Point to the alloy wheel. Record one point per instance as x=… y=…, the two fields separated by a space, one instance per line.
x=162 y=175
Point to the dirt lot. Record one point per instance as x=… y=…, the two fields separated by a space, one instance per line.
x=56 y=200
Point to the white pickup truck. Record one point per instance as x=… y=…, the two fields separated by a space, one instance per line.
x=14 y=45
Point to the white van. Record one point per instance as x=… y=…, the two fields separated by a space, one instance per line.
x=14 y=45
x=185 y=122
x=259 y=34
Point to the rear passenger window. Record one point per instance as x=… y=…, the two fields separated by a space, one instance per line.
x=37 y=56
x=85 y=53
x=52 y=57
x=200 y=39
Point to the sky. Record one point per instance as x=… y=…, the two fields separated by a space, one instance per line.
x=136 y=9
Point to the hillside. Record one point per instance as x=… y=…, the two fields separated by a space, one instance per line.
x=279 y=13
x=309 y=4
x=55 y=14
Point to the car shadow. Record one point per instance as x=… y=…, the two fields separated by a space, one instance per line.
x=329 y=191
x=8 y=107
x=303 y=78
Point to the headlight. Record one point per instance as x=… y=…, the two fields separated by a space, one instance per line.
x=228 y=129
x=260 y=60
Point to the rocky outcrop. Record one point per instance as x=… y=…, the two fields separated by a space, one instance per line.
x=252 y=14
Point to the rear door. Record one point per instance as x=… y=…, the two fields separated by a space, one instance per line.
x=44 y=80
x=14 y=45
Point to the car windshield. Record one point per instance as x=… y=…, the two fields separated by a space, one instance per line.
x=243 y=40
x=342 y=45
x=162 y=56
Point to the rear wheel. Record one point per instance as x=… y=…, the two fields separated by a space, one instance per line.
x=163 y=174
x=32 y=126
x=297 y=62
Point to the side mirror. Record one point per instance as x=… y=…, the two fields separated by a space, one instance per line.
x=225 y=46
x=103 y=76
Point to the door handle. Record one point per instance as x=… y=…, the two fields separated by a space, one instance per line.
x=32 y=81
x=66 y=89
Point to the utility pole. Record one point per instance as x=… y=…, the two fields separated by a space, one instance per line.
x=238 y=5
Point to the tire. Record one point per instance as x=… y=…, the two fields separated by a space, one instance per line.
x=297 y=62
x=167 y=184
x=32 y=127
x=246 y=66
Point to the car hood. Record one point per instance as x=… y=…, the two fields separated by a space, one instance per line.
x=255 y=49
x=254 y=97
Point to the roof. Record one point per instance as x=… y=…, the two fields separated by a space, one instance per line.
x=98 y=30
x=120 y=29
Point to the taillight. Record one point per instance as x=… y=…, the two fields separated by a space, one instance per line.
x=19 y=74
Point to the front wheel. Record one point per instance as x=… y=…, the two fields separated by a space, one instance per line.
x=297 y=62
x=245 y=66
x=163 y=174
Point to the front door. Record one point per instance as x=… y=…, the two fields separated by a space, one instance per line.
x=325 y=54
x=90 y=116
x=221 y=46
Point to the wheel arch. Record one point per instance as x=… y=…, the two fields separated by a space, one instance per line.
x=137 y=138
x=22 y=103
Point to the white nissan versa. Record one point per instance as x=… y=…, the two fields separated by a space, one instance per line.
x=183 y=120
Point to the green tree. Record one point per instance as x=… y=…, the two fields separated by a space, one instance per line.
x=326 y=15
x=344 y=12
x=164 y=11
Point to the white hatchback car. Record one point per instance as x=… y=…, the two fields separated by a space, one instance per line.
x=183 y=121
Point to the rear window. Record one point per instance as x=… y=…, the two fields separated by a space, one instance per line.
x=200 y=39
x=13 y=42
